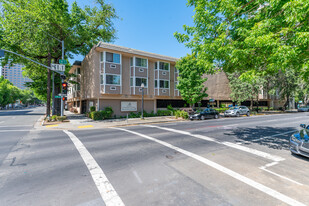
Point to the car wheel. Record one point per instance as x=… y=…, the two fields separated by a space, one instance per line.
x=237 y=114
x=216 y=116
x=202 y=117
x=248 y=114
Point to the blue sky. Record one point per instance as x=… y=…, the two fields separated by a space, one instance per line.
x=149 y=25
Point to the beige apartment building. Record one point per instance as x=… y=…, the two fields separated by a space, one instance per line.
x=113 y=75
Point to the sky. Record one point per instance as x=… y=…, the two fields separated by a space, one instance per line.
x=148 y=25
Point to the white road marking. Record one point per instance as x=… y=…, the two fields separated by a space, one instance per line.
x=137 y=177
x=1 y=122
x=283 y=177
x=229 y=144
x=107 y=191
x=275 y=135
x=250 y=182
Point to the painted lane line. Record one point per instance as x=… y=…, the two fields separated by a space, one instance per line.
x=273 y=173
x=283 y=177
x=1 y=122
x=271 y=136
x=107 y=191
x=137 y=177
x=229 y=144
x=235 y=175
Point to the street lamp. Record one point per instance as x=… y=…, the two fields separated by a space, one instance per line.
x=142 y=100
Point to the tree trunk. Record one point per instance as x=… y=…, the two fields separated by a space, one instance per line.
x=251 y=104
x=48 y=87
x=257 y=103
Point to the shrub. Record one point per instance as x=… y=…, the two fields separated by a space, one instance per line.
x=96 y=115
x=92 y=109
x=184 y=115
x=163 y=113
x=61 y=118
x=170 y=108
x=54 y=118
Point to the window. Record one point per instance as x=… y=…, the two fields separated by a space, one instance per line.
x=131 y=82
x=112 y=57
x=162 y=66
x=101 y=79
x=131 y=61
x=139 y=81
x=139 y=62
x=164 y=84
x=176 y=70
x=113 y=79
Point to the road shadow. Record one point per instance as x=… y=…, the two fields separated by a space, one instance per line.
x=306 y=159
x=264 y=136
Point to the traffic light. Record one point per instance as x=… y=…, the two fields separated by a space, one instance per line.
x=64 y=98
x=64 y=88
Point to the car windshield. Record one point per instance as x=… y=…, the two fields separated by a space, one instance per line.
x=232 y=108
x=304 y=107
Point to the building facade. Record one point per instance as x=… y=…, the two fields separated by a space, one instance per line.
x=112 y=75
x=14 y=74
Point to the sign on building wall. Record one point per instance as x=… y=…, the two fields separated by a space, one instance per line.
x=128 y=106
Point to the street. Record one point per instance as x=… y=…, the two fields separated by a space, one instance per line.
x=227 y=161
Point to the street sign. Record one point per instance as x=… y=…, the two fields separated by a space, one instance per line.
x=62 y=61
x=58 y=97
x=211 y=100
x=58 y=67
x=1 y=53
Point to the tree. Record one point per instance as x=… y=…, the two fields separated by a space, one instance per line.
x=8 y=93
x=249 y=35
x=29 y=34
x=190 y=80
x=246 y=87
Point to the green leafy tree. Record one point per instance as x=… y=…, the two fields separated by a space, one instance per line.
x=249 y=35
x=8 y=93
x=191 y=80
x=246 y=87
x=29 y=34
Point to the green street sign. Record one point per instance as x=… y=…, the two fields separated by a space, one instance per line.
x=62 y=61
x=57 y=96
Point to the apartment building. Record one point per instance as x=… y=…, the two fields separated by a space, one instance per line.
x=112 y=75
x=14 y=74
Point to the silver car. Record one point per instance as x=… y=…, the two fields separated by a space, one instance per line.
x=299 y=142
x=237 y=111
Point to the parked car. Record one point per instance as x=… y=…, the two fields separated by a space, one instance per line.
x=237 y=111
x=303 y=109
x=205 y=114
x=299 y=142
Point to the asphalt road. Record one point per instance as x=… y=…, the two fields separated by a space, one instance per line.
x=229 y=161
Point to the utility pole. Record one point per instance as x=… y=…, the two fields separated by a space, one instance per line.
x=48 y=87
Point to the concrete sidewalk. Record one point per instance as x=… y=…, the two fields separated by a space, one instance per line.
x=80 y=121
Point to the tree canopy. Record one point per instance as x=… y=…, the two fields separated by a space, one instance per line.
x=190 y=80
x=31 y=28
x=250 y=35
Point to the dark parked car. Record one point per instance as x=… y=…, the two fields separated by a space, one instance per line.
x=205 y=114
x=299 y=142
